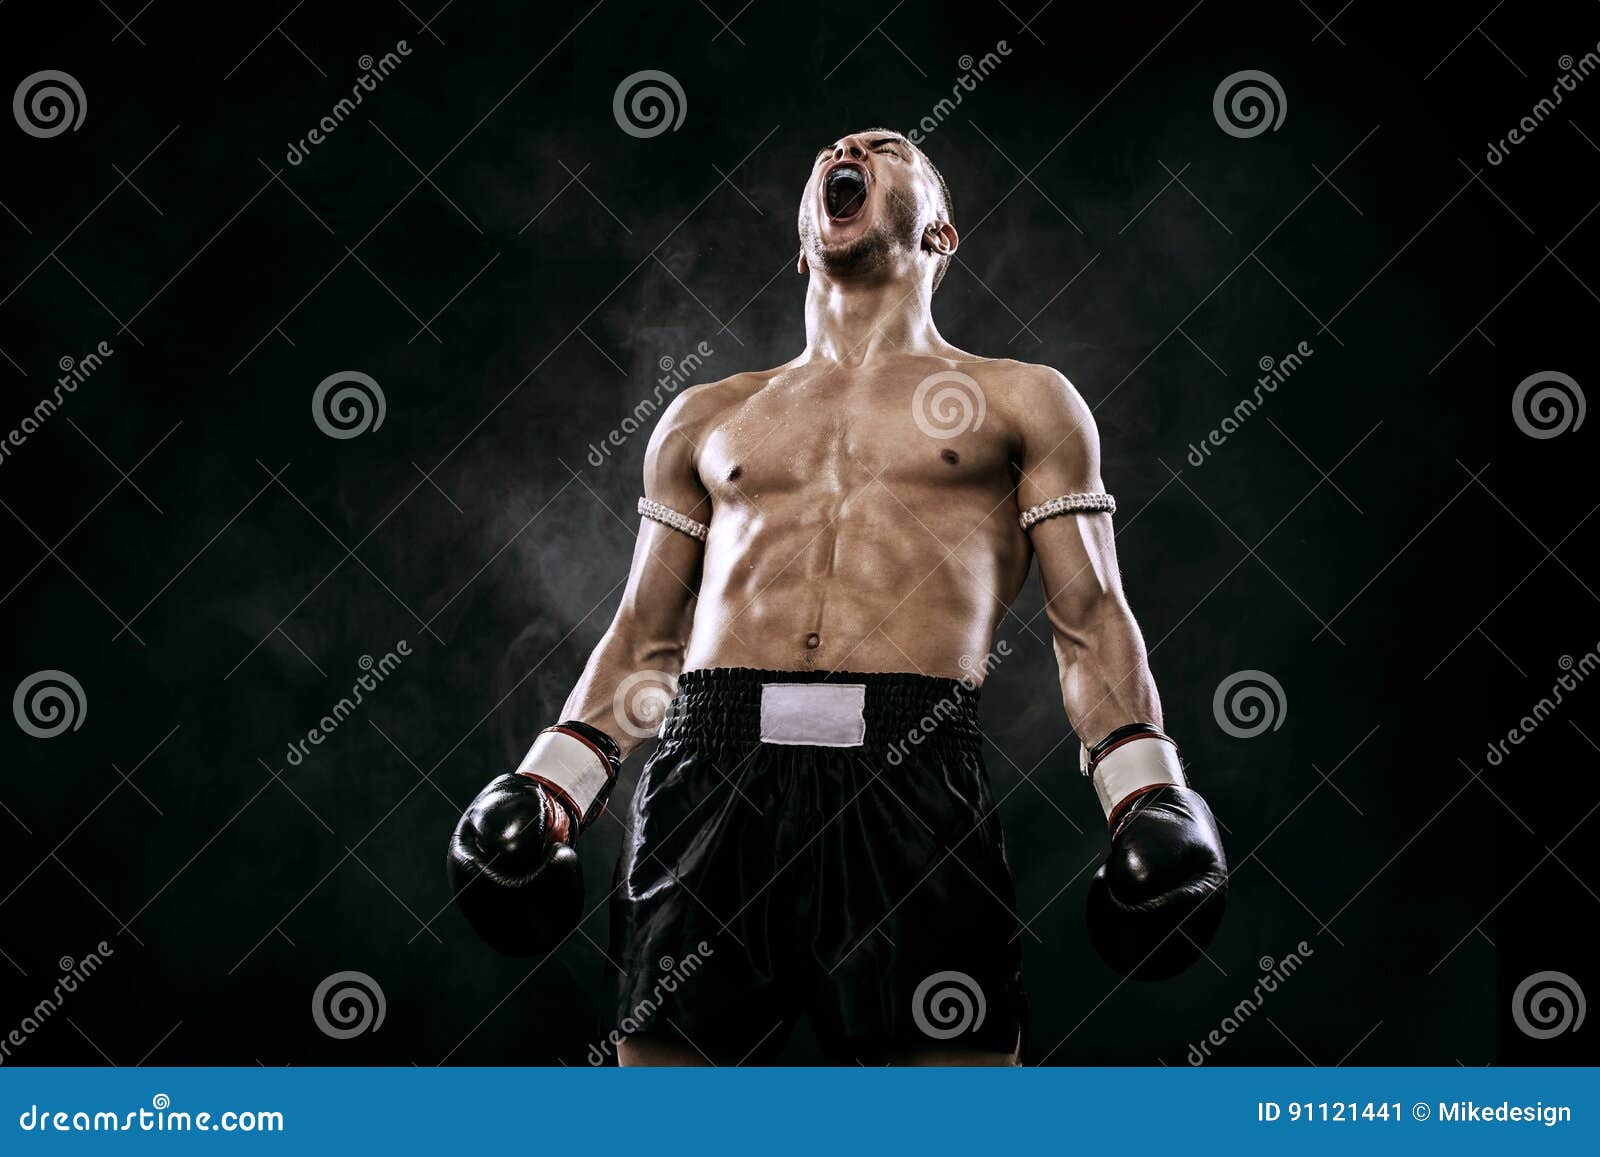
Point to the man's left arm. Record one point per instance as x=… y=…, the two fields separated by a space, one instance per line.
x=1100 y=654
x=1158 y=899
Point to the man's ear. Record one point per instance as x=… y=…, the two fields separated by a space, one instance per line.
x=941 y=238
x=800 y=266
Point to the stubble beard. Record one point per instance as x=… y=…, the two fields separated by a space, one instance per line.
x=872 y=252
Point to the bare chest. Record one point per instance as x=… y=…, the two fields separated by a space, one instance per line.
x=838 y=432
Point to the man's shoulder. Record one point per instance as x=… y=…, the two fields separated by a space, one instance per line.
x=1032 y=393
x=705 y=402
x=1030 y=378
x=1037 y=405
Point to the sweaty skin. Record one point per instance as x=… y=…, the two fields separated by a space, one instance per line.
x=847 y=530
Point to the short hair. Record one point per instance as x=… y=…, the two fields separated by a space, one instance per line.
x=947 y=203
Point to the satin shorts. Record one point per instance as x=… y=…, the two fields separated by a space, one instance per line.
x=821 y=845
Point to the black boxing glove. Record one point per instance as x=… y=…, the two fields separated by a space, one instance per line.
x=512 y=863
x=1158 y=899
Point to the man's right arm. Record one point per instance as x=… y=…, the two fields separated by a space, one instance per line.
x=646 y=640
x=512 y=862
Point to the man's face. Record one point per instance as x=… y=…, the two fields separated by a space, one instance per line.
x=866 y=202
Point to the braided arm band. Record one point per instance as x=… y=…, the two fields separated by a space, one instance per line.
x=1068 y=504
x=666 y=516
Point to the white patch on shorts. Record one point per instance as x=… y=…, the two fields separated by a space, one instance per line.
x=814 y=714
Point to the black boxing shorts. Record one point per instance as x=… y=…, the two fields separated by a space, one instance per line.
x=822 y=845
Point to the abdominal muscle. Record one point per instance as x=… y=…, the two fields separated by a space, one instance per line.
x=864 y=586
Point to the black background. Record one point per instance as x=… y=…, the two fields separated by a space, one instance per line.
x=1378 y=538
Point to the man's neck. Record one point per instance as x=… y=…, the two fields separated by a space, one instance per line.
x=853 y=322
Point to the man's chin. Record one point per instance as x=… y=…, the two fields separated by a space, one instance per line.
x=864 y=253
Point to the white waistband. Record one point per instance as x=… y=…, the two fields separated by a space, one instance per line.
x=814 y=714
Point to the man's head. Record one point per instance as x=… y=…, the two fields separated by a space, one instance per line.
x=874 y=205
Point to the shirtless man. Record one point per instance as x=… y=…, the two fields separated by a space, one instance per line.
x=826 y=551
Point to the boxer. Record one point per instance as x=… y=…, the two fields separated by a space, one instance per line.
x=825 y=552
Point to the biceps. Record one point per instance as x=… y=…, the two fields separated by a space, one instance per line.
x=663 y=580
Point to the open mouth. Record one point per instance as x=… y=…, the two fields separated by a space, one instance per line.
x=844 y=191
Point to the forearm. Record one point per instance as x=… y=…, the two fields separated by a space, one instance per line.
x=1105 y=675
x=629 y=680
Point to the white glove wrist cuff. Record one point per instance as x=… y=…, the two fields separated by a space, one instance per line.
x=570 y=766
x=1140 y=762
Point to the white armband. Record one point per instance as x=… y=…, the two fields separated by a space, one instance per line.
x=1068 y=504
x=667 y=516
